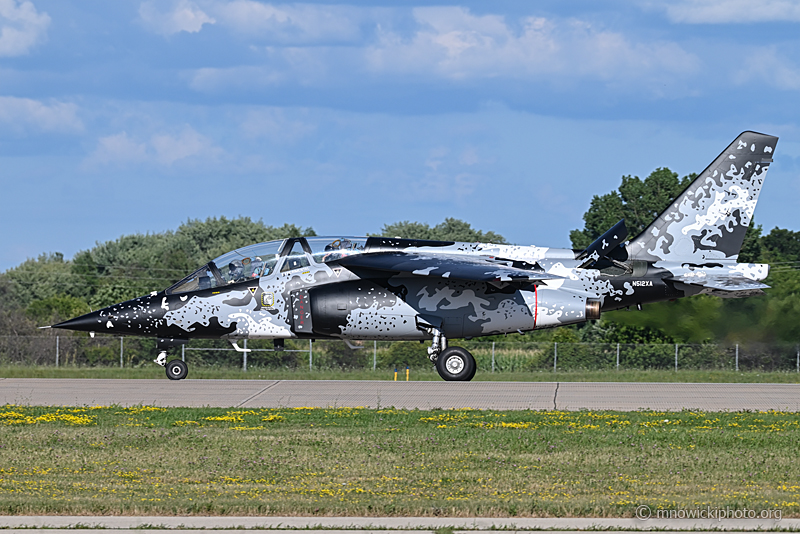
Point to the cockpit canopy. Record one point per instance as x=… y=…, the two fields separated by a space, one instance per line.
x=263 y=259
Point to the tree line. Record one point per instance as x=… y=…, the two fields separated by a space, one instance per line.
x=52 y=288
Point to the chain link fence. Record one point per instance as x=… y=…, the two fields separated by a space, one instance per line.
x=75 y=350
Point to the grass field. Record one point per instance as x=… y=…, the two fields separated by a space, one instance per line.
x=304 y=461
x=255 y=373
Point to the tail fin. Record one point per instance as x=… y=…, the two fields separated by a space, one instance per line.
x=709 y=219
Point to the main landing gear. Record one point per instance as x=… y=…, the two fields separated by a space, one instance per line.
x=454 y=364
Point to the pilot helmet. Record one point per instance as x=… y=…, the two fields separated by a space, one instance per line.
x=236 y=269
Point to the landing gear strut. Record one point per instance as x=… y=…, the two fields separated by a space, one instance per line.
x=454 y=364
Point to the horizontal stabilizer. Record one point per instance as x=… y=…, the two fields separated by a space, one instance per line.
x=604 y=244
x=724 y=286
x=445 y=266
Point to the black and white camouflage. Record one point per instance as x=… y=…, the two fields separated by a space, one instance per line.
x=401 y=289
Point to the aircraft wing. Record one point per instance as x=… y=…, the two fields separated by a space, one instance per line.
x=725 y=286
x=458 y=267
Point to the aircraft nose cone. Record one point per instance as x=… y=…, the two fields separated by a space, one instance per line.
x=91 y=322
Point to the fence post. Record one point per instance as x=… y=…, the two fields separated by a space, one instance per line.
x=676 y=357
x=617 y=356
x=183 y=353
x=798 y=358
x=493 y=356
x=555 y=355
x=244 y=357
x=310 y=356
x=374 y=354
x=120 y=351
x=737 y=356
x=56 y=351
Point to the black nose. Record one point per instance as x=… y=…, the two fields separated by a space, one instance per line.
x=91 y=322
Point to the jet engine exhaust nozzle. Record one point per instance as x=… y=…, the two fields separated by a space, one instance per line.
x=592 y=309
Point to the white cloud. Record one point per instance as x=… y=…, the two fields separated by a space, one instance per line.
x=32 y=114
x=765 y=66
x=290 y=23
x=469 y=157
x=162 y=148
x=188 y=143
x=453 y=43
x=21 y=27
x=275 y=125
x=282 y=23
x=436 y=157
x=307 y=66
x=118 y=148
x=458 y=187
x=183 y=16
x=213 y=79
x=730 y=11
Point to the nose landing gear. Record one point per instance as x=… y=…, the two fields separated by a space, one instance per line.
x=176 y=369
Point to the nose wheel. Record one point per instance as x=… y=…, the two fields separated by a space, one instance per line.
x=177 y=370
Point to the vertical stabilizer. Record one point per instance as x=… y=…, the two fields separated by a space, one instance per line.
x=709 y=219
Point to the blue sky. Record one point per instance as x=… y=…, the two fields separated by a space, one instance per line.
x=134 y=116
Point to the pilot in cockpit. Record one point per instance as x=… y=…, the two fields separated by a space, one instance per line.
x=335 y=250
x=235 y=271
x=255 y=267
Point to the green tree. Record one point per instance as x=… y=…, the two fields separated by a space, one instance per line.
x=751 y=246
x=637 y=201
x=36 y=279
x=782 y=245
x=449 y=230
x=55 y=309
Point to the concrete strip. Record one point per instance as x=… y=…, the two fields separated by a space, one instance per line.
x=620 y=396
x=661 y=396
x=374 y=524
x=105 y=392
x=421 y=395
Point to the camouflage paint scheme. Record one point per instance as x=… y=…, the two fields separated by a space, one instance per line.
x=400 y=289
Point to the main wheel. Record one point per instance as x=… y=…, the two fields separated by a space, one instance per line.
x=177 y=370
x=456 y=364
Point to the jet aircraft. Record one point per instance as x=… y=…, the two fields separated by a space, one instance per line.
x=380 y=288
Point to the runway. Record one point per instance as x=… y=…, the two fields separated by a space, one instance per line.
x=622 y=396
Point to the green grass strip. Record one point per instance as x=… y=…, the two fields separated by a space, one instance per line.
x=354 y=461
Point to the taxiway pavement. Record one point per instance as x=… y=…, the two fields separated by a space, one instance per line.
x=623 y=396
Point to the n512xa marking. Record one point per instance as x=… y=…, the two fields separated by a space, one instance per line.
x=376 y=288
